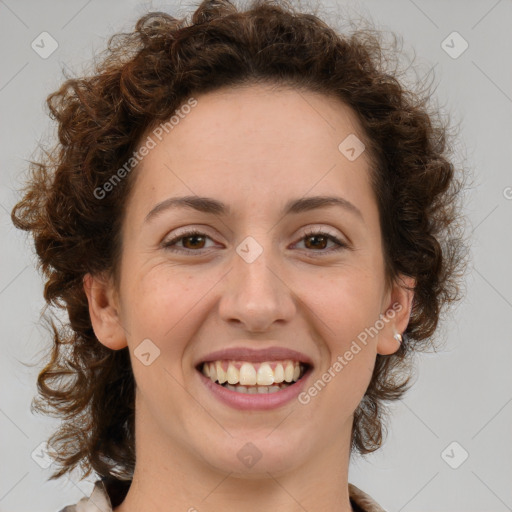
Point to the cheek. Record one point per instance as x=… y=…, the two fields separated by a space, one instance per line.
x=168 y=306
x=345 y=311
x=345 y=303
x=159 y=300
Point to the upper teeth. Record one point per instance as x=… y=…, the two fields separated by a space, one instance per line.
x=249 y=374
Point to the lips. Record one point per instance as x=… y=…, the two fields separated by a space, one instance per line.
x=285 y=369
x=254 y=355
x=261 y=398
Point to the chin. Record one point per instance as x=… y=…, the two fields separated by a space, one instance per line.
x=251 y=456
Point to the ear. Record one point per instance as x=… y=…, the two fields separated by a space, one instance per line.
x=398 y=312
x=104 y=311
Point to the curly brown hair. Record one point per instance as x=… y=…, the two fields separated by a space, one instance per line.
x=140 y=81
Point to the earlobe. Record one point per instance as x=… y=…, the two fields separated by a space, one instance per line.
x=104 y=311
x=398 y=313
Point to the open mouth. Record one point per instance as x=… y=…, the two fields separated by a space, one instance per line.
x=254 y=378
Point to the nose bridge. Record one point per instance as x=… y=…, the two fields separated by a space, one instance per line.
x=255 y=294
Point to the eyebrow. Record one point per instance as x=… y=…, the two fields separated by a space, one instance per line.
x=215 y=207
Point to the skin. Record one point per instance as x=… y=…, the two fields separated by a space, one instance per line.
x=253 y=148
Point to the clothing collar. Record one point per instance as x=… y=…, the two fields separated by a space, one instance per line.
x=100 y=498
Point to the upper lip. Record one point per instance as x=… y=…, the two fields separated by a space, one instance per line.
x=256 y=355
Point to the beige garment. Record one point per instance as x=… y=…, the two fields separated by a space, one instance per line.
x=99 y=501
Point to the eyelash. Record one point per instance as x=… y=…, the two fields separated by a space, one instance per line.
x=341 y=245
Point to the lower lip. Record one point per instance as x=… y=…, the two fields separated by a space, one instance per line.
x=255 y=401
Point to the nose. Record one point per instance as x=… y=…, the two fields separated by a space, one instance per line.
x=256 y=294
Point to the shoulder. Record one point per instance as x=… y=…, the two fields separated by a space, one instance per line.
x=98 y=501
x=362 y=502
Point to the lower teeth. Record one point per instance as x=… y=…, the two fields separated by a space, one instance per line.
x=256 y=389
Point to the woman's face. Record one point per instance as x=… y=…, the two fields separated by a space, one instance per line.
x=260 y=275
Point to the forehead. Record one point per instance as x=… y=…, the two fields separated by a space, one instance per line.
x=264 y=116
x=254 y=141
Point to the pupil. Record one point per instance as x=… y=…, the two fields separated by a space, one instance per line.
x=316 y=237
x=194 y=237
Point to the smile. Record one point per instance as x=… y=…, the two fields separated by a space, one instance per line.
x=247 y=377
x=249 y=385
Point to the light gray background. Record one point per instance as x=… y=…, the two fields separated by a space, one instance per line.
x=463 y=393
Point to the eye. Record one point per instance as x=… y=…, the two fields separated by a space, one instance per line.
x=320 y=239
x=194 y=241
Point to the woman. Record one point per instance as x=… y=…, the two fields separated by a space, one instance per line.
x=252 y=227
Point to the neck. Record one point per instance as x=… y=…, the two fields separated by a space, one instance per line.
x=169 y=477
